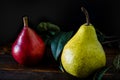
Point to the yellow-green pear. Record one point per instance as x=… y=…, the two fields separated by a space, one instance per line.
x=83 y=54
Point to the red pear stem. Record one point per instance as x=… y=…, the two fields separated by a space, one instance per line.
x=25 y=21
x=86 y=14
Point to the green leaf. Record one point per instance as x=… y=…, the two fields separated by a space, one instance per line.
x=99 y=74
x=61 y=67
x=47 y=31
x=58 y=43
x=116 y=62
x=48 y=27
x=100 y=35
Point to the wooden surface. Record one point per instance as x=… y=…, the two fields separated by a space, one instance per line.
x=10 y=70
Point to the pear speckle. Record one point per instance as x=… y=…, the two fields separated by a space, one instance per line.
x=83 y=53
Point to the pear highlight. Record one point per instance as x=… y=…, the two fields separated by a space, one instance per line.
x=28 y=49
x=83 y=53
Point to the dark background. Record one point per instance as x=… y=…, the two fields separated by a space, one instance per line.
x=104 y=15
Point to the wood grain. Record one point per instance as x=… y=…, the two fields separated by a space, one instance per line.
x=10 y=70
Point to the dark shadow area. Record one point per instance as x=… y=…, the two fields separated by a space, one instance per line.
x=104 y=15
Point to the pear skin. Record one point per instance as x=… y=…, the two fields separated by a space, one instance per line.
x=83 y=54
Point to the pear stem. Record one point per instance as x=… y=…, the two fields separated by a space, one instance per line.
x=86 y=14
x=25 y=21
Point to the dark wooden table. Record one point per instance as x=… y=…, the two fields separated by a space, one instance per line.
x=10 y=70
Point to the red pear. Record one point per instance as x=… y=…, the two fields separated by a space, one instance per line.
x=28 y=49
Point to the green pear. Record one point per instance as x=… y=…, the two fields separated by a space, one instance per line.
x=83 y=54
